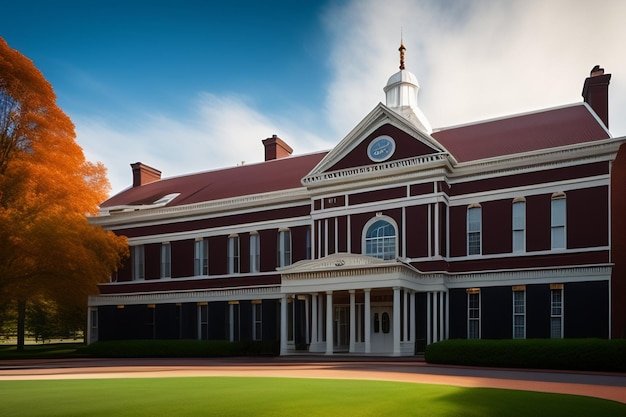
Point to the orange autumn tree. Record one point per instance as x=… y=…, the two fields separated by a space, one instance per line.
x=48 y=249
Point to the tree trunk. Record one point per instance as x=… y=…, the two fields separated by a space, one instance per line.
x=21 y=321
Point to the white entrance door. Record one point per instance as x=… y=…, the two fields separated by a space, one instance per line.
x=381 y=329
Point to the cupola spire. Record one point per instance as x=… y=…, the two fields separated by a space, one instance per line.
x=401 y=95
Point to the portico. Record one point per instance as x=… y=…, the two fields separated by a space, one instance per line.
x=360 y=305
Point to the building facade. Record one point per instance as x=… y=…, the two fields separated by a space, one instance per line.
x=398 y=237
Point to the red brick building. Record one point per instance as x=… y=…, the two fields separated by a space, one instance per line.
x=398 y=237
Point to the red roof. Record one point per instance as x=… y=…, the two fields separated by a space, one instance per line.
x=524 y=133
x=274 y=175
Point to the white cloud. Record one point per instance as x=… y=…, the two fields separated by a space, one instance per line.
x=474 y=60
x=221 y=131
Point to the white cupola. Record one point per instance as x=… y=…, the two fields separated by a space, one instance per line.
x=401 y=95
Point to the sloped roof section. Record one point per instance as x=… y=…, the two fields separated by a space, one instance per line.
x=545 y=129
x=264 y=177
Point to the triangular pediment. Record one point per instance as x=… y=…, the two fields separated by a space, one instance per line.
x=383 y=140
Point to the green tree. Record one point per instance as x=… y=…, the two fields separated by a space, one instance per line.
x=48 y=249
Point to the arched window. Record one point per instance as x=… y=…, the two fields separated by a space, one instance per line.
x=380 y=239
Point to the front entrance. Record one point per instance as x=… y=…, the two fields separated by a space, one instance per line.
x=381 y=328
x=341 y=328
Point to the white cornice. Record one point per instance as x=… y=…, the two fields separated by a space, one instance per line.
x=604 y=150
x=188 y=211
x=170 y=297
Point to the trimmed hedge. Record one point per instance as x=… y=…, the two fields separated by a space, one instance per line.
x=569 y=354
x=179 y=348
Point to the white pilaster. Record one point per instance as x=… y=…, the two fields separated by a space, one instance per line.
x=396 y=321
x=283 y=325
x=329 y=322
x=412 y=315
x=314 y=326
x=352 y=321
x=405 y=314
x=368 y=322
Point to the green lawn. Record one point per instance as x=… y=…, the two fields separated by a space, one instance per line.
x=221 y=396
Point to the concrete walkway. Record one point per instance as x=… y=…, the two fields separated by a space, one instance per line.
x=611 y=386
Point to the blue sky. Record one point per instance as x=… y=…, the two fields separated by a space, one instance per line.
x=188 y=86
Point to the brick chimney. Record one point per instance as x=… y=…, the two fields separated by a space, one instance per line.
x=275 y=148
x=144 y=174
x=596 y=93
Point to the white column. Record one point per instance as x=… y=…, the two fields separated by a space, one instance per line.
x=329 y=322
x=396 y=321
x=307 y=320
x=405 y=313
x=428 y=320
x=368 y=322
x=352 y=321
x=283 y=324
x=320 y=318
x=413 y=319
x=313 y=318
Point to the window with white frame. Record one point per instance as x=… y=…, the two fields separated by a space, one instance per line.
x=138 y=260
x=255 y=252
x=380 y=239
x=473 y=313
x=474 y=227
x=201 y=257
x=233 y=254
x=257 y=320
x=519 y=225
x=519 y=312
x=558 y=210
x=166 y=260
x=284 y=247
x=556 y=311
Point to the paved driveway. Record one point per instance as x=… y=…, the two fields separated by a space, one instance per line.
x=601 y=385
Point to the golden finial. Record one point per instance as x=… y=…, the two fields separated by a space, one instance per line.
x=401 y=49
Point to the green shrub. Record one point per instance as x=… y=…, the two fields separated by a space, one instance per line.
x=178 y=348
x=572 y=354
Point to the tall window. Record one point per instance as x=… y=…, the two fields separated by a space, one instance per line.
x=474 y=220
x=380 y=240
x=284 y=247
x=519 y=312
x=556 y=311
x=473 y=313
x=255 y=252
x=519 y=225
x=233 y=254
x=201 y=257
x=166 y=260
x=138 y=260
x=257 y=320
x=558 y=220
